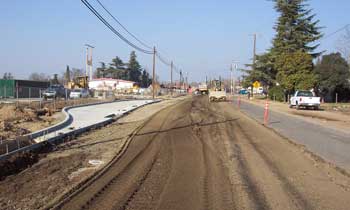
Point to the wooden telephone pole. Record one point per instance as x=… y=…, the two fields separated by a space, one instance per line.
x=171 y=77
x=154 y=73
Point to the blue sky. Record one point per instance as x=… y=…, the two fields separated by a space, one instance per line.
x=201 y=36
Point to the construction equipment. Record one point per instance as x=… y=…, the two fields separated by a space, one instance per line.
x=217 y=91
x=79 y=82
x=203 y=88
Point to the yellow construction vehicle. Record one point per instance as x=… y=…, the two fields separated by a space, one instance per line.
x=217 y=91
x=79 y=82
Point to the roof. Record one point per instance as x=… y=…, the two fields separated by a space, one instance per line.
x=111 y=79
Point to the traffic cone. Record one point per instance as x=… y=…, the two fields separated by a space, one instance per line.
x=266 y=114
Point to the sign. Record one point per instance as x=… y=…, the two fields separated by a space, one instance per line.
x=256 y=84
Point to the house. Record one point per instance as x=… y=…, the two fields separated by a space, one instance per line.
x=108 y=84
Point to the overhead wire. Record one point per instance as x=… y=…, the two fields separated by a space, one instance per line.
x=335 y=32
x=106 y=23
x=92 y=9
x=121 y=25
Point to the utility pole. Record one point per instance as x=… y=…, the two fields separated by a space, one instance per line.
x=254 y=52
x=88 y=71
x=231 y=69
x=180 y=78
x=87 y=62
x=171 y=77
x=187 y=86
x=154 y=73
x=234 y=66
x=254 y=59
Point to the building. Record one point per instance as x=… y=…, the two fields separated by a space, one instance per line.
x=13 y=88
x=109 y=84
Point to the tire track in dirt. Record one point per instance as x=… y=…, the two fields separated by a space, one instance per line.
x=101 y=188
x=296 y=197
x=216 y=196
x=243 y=140
x=246 y=192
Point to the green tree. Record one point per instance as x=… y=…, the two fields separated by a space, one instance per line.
x=295 y=71
x=333 y=75
x=263 y=72
x=296 y=29
x=145 y=79
x=117 y=69
x=134 y=68
x=117 y=63
x=100 y=71
x=67 y=75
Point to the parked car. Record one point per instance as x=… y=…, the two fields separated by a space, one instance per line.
x=54 y=91
x=305 y=99
x=243 y=92
x=79 y=93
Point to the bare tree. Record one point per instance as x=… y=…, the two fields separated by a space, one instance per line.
x=343 y=44
x=39 y=77
x=7 y=75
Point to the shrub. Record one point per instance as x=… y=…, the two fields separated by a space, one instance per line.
x=277 y=93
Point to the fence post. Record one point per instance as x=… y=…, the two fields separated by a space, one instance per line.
x=5 y=92
x=336 y=98
x=40 y=99
x=7 y=148
x=18 y=144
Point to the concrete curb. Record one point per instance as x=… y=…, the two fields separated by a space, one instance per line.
x=68 y=120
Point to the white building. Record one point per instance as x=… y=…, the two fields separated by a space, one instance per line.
x=110 y=84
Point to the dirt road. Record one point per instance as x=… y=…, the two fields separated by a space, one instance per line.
x=200 y=155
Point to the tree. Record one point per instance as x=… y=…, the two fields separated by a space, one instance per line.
x=134 y=68
x=343 y=44
x=296 y=30
x=295 y=71
x=116 y=69
x=333 y=75
x=77 y=72
x=67 y=75
x=293 y=46
x=263 y=72
x=100 y=71
x=145 y=79
x=117 y=63
x=7 y=75
x=38 y=77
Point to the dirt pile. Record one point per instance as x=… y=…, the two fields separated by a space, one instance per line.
x=18 y=121
x=17 y=163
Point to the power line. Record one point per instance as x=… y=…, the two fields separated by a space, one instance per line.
x=92 y=9
x=164 y=61
x=116 y=20
x=335 y=32
x=106 y=23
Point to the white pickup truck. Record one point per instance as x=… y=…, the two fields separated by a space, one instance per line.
x=305 y=99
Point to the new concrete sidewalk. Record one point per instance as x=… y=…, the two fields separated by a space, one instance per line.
x=89 y=115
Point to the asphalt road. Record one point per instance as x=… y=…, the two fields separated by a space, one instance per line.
x=330 y=144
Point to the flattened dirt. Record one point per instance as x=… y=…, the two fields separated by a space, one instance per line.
x=200 y=155
x=71 y=163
